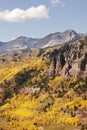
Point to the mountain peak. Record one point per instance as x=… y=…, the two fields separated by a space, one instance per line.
x=70 y=30
x=21 y=38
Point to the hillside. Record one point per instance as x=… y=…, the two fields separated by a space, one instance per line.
x=45 y=89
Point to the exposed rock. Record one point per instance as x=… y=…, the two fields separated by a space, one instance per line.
x=71 y=59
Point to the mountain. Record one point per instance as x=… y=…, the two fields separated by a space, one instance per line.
x=59 y=38
x=24 y=43
x=45 y=88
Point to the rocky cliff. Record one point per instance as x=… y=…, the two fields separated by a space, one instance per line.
x=70 y=59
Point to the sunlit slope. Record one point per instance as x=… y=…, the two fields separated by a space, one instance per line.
x=33 y=99
x=9 y=70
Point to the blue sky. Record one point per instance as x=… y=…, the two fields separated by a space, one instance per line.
x=18 y=18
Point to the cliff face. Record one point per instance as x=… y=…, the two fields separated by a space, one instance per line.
x=70 y=59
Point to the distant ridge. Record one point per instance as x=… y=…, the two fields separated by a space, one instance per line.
x=23 y=43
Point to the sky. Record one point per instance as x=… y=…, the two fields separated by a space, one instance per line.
x=38 y=18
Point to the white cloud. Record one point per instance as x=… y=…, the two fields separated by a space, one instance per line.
x=57 y=2
x=19 y=15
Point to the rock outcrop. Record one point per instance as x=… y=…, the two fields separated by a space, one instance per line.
x=71 y=59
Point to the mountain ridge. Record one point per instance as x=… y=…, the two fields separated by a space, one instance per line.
x=25 y=43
